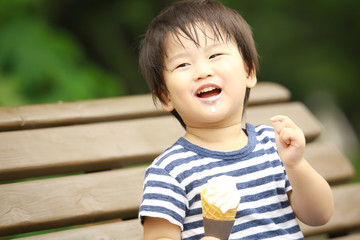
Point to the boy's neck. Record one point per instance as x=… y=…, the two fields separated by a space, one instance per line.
x=225 y=139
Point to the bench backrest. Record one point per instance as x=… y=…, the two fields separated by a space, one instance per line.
x=67 y=164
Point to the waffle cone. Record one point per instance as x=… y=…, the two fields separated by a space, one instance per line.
x=210 y=211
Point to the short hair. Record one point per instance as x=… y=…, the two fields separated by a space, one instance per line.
x=183 y=18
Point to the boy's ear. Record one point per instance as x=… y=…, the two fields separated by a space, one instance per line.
x=251 y=79
x=166 y=103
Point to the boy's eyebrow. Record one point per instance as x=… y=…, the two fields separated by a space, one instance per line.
x=176 y=56
x=185 y=53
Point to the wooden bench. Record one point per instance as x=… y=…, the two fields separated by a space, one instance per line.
x=79 y=166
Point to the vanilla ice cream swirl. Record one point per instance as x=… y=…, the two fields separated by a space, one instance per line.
x=222 y=192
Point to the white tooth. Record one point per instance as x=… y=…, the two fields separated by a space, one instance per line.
x=207 y=89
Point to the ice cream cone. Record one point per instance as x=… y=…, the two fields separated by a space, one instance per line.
x=210 y=211
x=220 y=229
x=217 y=223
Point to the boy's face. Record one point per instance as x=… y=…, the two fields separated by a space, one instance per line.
x=206 y=82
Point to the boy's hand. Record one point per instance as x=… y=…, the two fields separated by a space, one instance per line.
x=290 y=140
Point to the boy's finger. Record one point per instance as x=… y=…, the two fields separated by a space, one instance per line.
x=278 y=118
x=286 y=121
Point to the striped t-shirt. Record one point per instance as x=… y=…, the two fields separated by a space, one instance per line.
x=175 y=179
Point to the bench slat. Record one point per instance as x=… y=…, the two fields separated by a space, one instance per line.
x=297 y=111
x=52 y=203
x=127 y=230
x=126 y=107
x=99 y=146
x=268 y=92
x=66 y=201
x=346 y=217
x=351 y=236
x=57 y=114
x=85 y=147
x=99 y=135
x=329 y=162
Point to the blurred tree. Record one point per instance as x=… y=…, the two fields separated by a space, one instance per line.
x=110 y=31
x=39 y=64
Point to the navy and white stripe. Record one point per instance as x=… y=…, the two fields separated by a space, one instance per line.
x=175 y=179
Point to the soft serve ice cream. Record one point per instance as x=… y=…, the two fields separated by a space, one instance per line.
x=222 y=193
x=220 y=198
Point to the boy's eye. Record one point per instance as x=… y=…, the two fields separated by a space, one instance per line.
x=214 y=55
x=182 y=65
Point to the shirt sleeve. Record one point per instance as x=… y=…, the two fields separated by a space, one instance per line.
x=163 y=197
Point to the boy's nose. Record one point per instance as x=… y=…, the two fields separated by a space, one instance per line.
x=203 y=70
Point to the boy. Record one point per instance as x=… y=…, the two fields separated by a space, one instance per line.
x=200 y=61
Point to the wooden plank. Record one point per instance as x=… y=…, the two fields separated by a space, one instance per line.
x=268 y=92
x=57 y=114
x=327 y=160
x=354 y=236
x=346 y=217
x=124 y=230
x=297 y=111
x=52 y=203
x=128 y=107
x=346 y=214
x=91 y=147
x=84 y=148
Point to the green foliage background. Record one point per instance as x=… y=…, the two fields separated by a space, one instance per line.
x=66 y=50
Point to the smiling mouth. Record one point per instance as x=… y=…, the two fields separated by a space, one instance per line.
x=208 y=92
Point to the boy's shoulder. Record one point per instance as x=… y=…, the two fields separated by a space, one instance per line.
x=261 y=134
x=175 y=148
x=260 y=129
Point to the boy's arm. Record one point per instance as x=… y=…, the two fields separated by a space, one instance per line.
x=161 y=229
x=311 y=197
